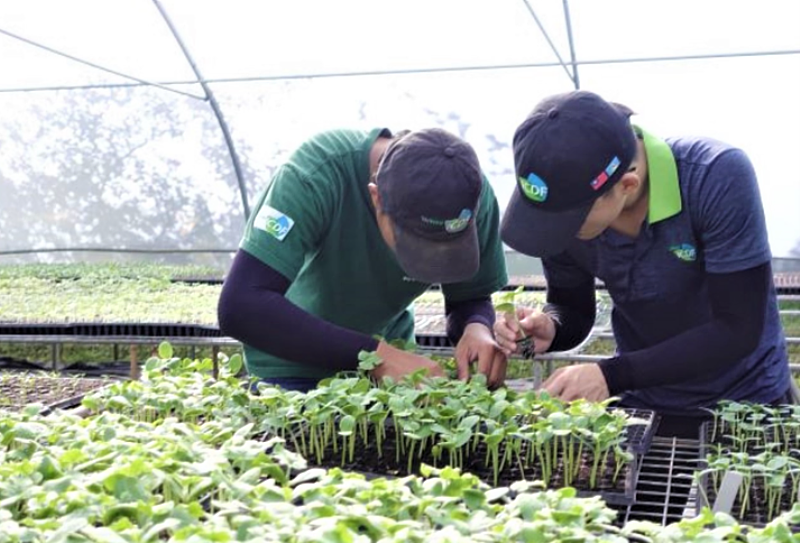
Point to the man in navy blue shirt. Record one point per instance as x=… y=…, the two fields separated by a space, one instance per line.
x=675 y=229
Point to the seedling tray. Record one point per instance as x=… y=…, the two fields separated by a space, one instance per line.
x=640 y=436
x=372 y=463
x=19 y=389
x=34 y=329
x=665 y=489
x=757 y=513
x=104 y=329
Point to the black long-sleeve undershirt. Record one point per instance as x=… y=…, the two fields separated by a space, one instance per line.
x=253 y=309
x=738 y=307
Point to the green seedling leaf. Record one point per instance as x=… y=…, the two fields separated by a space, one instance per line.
x=505 y=308
x=165 y=350
x=49 y=468
x=308 y=475
x=346 y=425
x=495 y=494
x=235 y=364
x=474 y=498
x=368 y=360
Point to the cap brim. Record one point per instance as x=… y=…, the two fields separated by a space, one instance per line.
x=533 y=231
x=442 y=262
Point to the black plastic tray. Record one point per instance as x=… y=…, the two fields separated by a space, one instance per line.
x=103 y=329
x=706 y=494
x=640 y=436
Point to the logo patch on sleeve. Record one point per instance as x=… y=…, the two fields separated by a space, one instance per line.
x=273 y=222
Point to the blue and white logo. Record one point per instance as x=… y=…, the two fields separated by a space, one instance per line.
x=534 y=187
x=273 y=222
x=684 y=251
x=460 y=223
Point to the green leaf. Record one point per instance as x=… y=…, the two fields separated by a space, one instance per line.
x=495 y=494
x=346 y=425
x=49 y=468
x=235 y=364
x=368 y=360
x=165 y=350
x=467 y=423
x=474 y=498
x=67 y=526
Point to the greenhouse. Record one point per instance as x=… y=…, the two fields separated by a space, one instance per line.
x=362 y=271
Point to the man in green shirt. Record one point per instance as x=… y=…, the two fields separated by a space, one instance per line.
x=351 y=230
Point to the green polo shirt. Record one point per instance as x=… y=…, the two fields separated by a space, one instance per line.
x=315 y=224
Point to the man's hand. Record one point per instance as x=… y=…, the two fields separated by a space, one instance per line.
x=536 y=325
x=398 y=363
x=477 y=344
x=580 y=381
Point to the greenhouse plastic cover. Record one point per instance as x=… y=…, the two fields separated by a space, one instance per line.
x=100 y=159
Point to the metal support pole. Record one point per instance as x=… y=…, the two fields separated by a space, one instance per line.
x=134 y=373
x=547 y=38
x=575 y=79
x=55 y=356
x=237 y=168
x=215 y=361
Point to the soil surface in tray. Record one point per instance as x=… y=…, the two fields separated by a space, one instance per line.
x=367 y=460
x=20 y=389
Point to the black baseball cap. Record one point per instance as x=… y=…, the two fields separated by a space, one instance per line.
x=568 y=152
x=430 y=183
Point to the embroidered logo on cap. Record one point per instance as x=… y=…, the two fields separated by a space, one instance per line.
x=534 y=187
x=598 y=182
x=273 y=222
x=451 y=226
x=460 y=223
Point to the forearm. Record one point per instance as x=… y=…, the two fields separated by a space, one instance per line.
x=732 y=334
x=253 y=309
x=460 y=314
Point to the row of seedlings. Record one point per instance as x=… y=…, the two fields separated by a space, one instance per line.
x=762 y=444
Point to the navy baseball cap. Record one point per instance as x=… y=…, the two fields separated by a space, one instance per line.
x=430 y=183
x=568 y=152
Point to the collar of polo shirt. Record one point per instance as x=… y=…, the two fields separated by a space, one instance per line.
x=665 y=192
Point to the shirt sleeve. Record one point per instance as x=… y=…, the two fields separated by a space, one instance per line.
x=729 y=217
x=492 y=274
x=290 y=220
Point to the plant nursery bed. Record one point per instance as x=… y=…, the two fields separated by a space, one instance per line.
x=35 y=329
x=764 y=448
x=105 y=329
x=18 y=390
x=368 y=461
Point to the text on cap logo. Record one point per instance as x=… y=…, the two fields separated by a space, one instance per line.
x=534 y=187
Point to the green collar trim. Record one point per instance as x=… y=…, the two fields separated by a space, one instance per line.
x=665 y=192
